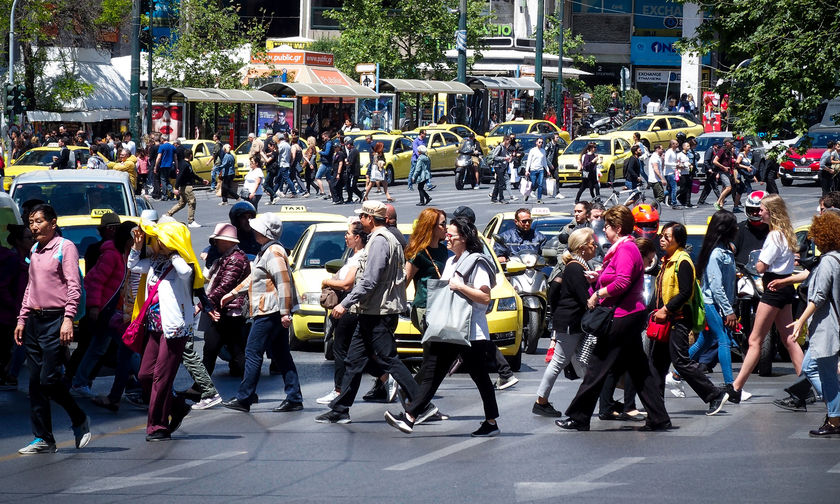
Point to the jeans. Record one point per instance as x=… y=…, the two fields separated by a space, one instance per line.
x=228 y=331
x=411 y=174
x=564 y=350
x=214 y=174
x=827 y=367
x=672 y=189
x=128 y=362
x=164 y=176
x=537 y=181
x=265 y=330
x=720 y=334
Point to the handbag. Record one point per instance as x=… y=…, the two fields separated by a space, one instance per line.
x=598 y=320
x=330 y=297
x=135 y=335
x=448 y=314
x=658 y=331
x=244 y=193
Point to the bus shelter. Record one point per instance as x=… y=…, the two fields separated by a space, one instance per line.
x=440 y=90
x=495 y=95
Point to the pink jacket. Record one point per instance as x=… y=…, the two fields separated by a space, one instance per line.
x=104 y=280
x=623 y=276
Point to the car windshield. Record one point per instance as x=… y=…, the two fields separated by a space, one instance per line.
x=508 y=128
x=637 y=124
x=245 y=148
x=81 y=236
x=292 y=231
x=76 y=198
x=706 y=142
x=324 y=246
x=362 y=145
x=819 y=140
x=578 y=146
x=549 y=226
x=38 y=157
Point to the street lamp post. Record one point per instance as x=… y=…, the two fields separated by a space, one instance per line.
x=134 y=118
x=558 y=88
x=6 y=152
x=149 y=69
x=461 y=46
x=538 y=60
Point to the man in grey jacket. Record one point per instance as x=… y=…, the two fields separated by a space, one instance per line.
x=379 y=296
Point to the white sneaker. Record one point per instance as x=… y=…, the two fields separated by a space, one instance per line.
x=194 y=224
x=559 y=196
x=503 y=383
x=392 y=386
x=745 y=395
x=676 y=387
x=207 y=402
x=83 y=391
x=327 y=398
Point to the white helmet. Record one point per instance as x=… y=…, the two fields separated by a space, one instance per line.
x=753 y=205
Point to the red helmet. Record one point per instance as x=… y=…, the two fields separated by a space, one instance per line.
x=647 y=220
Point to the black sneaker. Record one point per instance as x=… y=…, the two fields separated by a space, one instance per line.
x=546 y=410
x=716 y=404
x=734 y=395
x=177 y=416
x=486 y=430
x=429 y=412
x=399 y=422
x=158 y=436
x=333 y=416
x=827 y=430
x=791 y=403
x=377 y=393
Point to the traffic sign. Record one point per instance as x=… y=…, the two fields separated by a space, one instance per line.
x=368 y=80
x=366 y=68
x=461 y=40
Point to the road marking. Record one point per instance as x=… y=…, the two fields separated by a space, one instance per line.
x=835 y=469
x=149 y=478
x=438 y=454
x=536 y=490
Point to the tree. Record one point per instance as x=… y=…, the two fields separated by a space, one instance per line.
x=572 y=44
x=407 y=38
x=792 y=50
x=59 y=23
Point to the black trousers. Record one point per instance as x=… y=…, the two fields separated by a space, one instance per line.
x=607 y=403
x=684 y=192
x=620 y=350
x=375 y=337
x=499 y=186
x=228 y=188
x=709 y=185
x=228 y=331
x=826 y=182
x=438 y=358
x=676 y=352
x=421 y=190
x=337 y=188
x=351 y=184
x=591 y=182
x=44 y=355
x=344 y=329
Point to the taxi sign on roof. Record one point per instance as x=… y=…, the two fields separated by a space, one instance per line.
x=97 y=213
x=293 y=208
x=540 y=211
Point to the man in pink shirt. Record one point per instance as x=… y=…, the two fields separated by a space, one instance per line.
x=45 y=325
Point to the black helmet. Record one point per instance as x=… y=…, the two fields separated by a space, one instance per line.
x=681 y=138
x=239 y=209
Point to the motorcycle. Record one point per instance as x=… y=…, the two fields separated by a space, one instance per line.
x=465 y=169
x=532 y=286
x=749 y=289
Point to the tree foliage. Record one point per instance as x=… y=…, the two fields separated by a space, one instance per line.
x=793 y=49
x=407 y=38
x=572 y=44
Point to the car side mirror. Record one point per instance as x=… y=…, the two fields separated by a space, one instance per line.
x=656 y=128
x=514 y=268
x=619 y=151
x=333 y=266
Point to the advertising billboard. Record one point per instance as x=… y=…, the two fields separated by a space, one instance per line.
x=168 y=119
x=275 y=118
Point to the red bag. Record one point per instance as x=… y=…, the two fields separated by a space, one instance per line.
x=135 y=335
x=658 y=331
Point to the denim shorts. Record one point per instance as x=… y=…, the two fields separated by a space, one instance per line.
x=323 y=172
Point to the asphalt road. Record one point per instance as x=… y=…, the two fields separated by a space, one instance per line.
x=753 y=452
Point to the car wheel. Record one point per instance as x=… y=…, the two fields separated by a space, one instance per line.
x=515 y=362
x=389 y=175
x=768 y=352
x=787 y=182
x=294 y=343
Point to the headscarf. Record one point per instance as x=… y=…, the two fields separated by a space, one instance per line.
x=176 y=236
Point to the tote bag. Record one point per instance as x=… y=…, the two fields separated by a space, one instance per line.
x=448 y=314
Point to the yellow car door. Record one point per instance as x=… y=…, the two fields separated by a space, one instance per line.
x=660 y=133
x=450 y=150
x=199 y=164
x=400 y=158
x=435 y=151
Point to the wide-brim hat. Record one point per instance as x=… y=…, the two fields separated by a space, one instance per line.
x=373 y=208
x=224 y=231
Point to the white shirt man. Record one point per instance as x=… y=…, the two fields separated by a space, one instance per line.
x=670 y=161
x=654 y=168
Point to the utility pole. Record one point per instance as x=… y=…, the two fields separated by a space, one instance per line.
x=134 y=117
x=538 y=61
x=558 y=88
x=149 y=69
x=7 y=152
x=461 y=46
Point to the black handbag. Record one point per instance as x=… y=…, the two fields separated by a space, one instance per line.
x=598 y=320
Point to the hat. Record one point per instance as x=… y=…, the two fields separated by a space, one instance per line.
x=464 y=212
x=109 y=219
x=421 y=149
x=268 y=225
x=149 y=214
x=224 y=231
x=373 y=208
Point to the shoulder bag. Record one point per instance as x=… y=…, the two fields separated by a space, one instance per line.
x=330 y=297
x=598 y=320
x=448 y=313
x=658 y=331
x=135 y=335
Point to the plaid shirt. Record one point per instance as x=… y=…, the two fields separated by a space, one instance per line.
x=269 y=285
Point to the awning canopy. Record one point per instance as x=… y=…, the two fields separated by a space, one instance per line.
x=318 y=90
x=492 y=69
x=212 y=95
x=88 y=116
x=504 y=83
x=423 y=86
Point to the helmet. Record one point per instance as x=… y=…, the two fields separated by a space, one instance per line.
x=752 y=205
x=681 y=138
x=239 y=209
x=647 y=220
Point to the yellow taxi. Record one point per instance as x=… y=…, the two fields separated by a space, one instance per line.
x=615 y=151
x=319 y=244
x=459 y=129
x=546 y=221
x=504 y=316
x=41 y=158
x=522 y=126
x=202 y=150
x=442 y=147
x=658 y=129
x=82 y=230
x=397 y=149
x=243 y=161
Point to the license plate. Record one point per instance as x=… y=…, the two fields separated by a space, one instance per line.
x=804 y=169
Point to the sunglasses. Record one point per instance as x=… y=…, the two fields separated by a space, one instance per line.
x=526 y=221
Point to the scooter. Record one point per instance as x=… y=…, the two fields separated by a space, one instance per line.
x=532 y=286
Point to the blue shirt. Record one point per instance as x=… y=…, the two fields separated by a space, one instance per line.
x=719 y=280
x=416 y=143
x=325 y=154
x=166 y=151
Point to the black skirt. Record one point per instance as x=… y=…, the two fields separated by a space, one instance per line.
x=778 y=298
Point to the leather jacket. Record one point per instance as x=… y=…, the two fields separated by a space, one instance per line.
x=226 y=273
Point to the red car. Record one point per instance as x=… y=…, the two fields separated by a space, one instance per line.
x=806 y=166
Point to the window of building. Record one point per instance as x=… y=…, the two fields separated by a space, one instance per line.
x=603 y=6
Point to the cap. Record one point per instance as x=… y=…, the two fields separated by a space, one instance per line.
x=109 y=219
x=373 y=208
x=464 y=212
x=268 y=225
x=224 y=231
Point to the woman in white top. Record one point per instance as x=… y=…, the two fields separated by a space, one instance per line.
x=253 y=182
x=470 y=273
x=774 y=262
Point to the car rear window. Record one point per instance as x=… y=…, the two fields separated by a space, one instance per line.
x=76 y=198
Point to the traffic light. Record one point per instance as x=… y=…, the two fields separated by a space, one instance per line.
x=20 y=99
x=9 y=92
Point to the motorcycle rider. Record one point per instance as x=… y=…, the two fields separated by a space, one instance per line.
x=473 y=148
x=581 y=213
x=751 y=232
x=519 y=236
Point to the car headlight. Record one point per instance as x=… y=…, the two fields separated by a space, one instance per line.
x=506 y=304
x=529 y=260
x=311 y=298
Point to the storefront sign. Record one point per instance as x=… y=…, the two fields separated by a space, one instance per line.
x=657 y=51
x=656 y=76
x=320 y=59
x=293 y=58
x=330 y=77
x=657 y=14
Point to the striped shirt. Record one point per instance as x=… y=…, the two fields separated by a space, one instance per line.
x=269 y=285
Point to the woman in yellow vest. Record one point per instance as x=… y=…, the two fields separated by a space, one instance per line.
x=674 y=291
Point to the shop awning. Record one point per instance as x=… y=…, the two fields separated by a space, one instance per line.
x=87 y=116
x=423 y=86
x=212 y=95
x=550 y=72
x=503 y=83
x=318 y=90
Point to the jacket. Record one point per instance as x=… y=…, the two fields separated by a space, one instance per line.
x=269 y=285
x=128 y=166
x=824 y=291
x=226 y=273
x=380 y=279
x=228 y=166
x=422 y=170
x=719 y=280
x=670 y=290
x=515 y=239
x=103 y=281
x=186 y=176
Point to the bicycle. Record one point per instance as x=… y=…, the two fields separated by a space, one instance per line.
x=635 y=197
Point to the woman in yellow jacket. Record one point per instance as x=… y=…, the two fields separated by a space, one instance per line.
x=126 y=162
x=674 y=291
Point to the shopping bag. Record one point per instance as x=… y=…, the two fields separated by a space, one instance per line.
x=448 y=314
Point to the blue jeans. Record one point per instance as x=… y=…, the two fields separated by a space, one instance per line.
x=705 y=340
x=537 y=179
x=284 y=180
x=630 y=185
x=214 y=173
x=822 y=373
x=324 y=171
x=266 y=329
x=672 y=188
x=411 y=174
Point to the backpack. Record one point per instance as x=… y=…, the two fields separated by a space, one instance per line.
x=81 y=309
